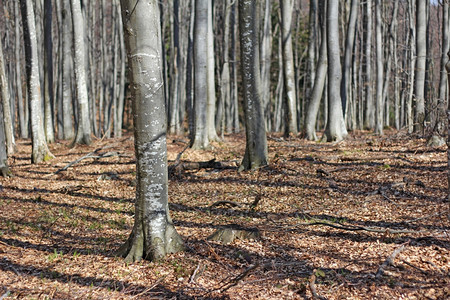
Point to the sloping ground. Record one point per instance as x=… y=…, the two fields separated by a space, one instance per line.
x=365 y=218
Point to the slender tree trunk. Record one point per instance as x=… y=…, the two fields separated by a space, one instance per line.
x=233 y=69
x=67 y=72
x=153 y=234
x=211 y=99
x=225 y=85
x=48 y=73
x=346 y=84
x=380 y=72
x=370 y=107
x=412 y=65
x=419 y=82
x=266 y=53
x=4 y=169
x=40 y=150
x=190 y=74
x=319 y=81
x=23 y=123
x=335 y=130
x=5 y=95
x=256 y=145
x=288 y=66
x=83 y=135
x=121 y=97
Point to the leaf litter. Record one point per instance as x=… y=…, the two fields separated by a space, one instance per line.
x=364 y=218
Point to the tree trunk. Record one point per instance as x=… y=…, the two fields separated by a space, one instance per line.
x=211 y=99
x=5 y=95
x=349 y=46
x=319 y=80
x=153 y=234
x=439 y=127
x=335 y=130
x=67 y=72
x=256 y=145
x=380 y=71
x=23 y=122
x=4 y=169
x=83 y=135
x=48 y=73
x=288 y=66
x=266 y=53
x=40 y=150
x=370 y=108
x=419 y=82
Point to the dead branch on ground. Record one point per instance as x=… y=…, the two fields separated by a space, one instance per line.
x=390 y=260
x=312 y=287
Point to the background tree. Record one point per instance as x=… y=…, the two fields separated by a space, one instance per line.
x=419 y=82
x=83 y=134
x=40 y=150
x=380 y=72
x=256 y=145
x=335 y=130
x=153 y=234
x=4 y=169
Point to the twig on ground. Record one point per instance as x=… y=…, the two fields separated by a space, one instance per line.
x=312 y=287
x=149 y=288
x=414 y=267
x=389 y=260
x=225 y=202
x=238 y=278
x=194 y=275
x=428 y=216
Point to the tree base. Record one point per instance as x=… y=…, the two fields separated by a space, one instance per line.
x=229 y=233
x=436 y=141
x=5 y=172
x=137 y=247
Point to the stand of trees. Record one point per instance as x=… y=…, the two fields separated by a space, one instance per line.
x=285 y=66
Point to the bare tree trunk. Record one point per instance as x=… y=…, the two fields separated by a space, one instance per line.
x=23 y=122
x=5 y=95
x=319 y=81
x=211 y=99
x=288 y=66
x=256 y=145
x=153 y=234
x=266 y=53
x=48 y=73
x=380 y=72
x=225 y=85
x=84 y=126
x=335 y=130
x=4 y=169
x=67 y=72
x=370 y=107
x=233 y=69
x=419 y=83
x=40 y=150
x=412 y=62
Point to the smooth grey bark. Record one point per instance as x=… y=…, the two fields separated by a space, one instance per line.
x=380 y=70
x=201 y=82
x=346 y=84
x=48 y=73
x=390 y=54
x=412 y=64
x=256 y=154
x=174 y=99
x=190 y=74
x=23 y=122
x=288 y=66
x=225 y=84
x=83 y=135
x=447 y=68
x=335 y=130
x=266 y=54
x=153 y=234
x=370 y=107
x=67 y=39
x=211 y=100
x=233 y=69
x=4 y=168
x=319 y=80
x=121 y=94
x=438 y=134
x=5 y=95
x=40 y=151
x=419 y=77
x=312 y=37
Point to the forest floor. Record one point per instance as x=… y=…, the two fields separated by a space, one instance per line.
x=362 y=219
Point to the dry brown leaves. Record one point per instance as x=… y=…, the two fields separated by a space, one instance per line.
x=58 y=232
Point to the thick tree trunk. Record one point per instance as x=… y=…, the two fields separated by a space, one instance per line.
x=419 y=82
x=335 y=130
x=83 y=135
x=153 y=234
x=319 y=80
x=288 y=66
x=256 y=145
x=40 y=150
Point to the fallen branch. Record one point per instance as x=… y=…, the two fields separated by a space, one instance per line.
x=390 y=260
x=236 y=279
x=94 y=154
x=312 y=287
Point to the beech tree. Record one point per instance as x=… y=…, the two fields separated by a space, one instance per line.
x=4 y=169
x=335 y=130
x=40 y=150
x=380 y=72
x=83 y=134
x=256 y=144
x=153 y=234
x=421 y=51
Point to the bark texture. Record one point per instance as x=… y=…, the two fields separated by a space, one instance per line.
x=153 y=234
x=256 y=145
